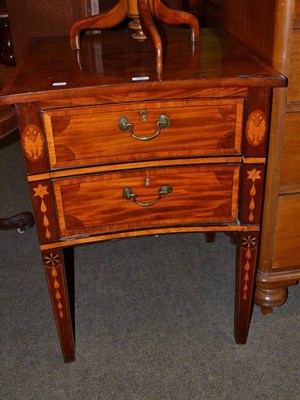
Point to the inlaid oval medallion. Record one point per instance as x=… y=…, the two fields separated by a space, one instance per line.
x=33 y=142
x=256 y=128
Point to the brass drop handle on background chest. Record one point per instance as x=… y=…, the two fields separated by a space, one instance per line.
x=162 y=123
x=164 y=190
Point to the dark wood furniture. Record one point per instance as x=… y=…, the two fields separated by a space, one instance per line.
x=7 y=56
x=42 y=18
x=8 y=117
x=20 y=221
x=114 y=150
x=8 y=125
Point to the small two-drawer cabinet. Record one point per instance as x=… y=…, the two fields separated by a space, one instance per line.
x=115 y=150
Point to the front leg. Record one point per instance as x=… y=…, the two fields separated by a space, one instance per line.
x=246 y=264
x=56 y=275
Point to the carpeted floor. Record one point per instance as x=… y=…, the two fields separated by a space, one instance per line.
x=154 y=319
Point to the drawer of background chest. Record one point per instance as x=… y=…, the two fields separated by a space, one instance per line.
x=143 y=131
x=137 y=199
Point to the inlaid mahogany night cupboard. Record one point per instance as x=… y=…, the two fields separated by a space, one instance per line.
x=114 y=150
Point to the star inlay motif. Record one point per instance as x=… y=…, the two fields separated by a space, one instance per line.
x=41 y=191
x=254 y=175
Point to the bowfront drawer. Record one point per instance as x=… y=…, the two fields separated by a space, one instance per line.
x=143 y=131
x=170 y=196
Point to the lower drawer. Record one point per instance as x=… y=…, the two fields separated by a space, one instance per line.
x=147 y=198
x=79 y=136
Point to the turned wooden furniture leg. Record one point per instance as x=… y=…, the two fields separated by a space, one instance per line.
x=146 y=10
x=151 y=32
x=246 y=263
x=21 y=221
x=169 y=16
x=269 y=298
x=272 y=293
x=106 y=19
x=165 y=15
x=59 y=287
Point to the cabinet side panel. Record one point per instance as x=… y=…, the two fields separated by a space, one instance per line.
x=284 y=17
x=294 y=78
x=287 y=248
x=290 y=170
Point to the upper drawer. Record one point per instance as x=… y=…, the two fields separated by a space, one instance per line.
x=168 y=129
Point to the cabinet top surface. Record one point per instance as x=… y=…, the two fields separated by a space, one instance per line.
x=51 y=70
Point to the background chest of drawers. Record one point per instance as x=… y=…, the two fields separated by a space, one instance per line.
x=273 y=31
x=279 y=264
x=114 y=150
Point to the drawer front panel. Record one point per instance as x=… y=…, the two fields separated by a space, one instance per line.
x=96 y=204
x=206 y=127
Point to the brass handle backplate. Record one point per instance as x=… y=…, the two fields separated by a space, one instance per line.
x=125 y=125
x=129 y=194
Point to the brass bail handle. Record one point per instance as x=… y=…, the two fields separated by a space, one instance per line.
x=129 y=194
x=125 y=125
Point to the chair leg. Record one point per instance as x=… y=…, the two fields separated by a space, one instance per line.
x=21 y=221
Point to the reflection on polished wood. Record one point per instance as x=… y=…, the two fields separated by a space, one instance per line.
x=141 y=12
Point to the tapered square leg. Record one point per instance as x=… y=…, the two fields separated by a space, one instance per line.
x=246 y=264
x=56 y=274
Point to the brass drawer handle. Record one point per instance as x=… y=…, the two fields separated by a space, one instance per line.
x=162 y=123
x=164 y=190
